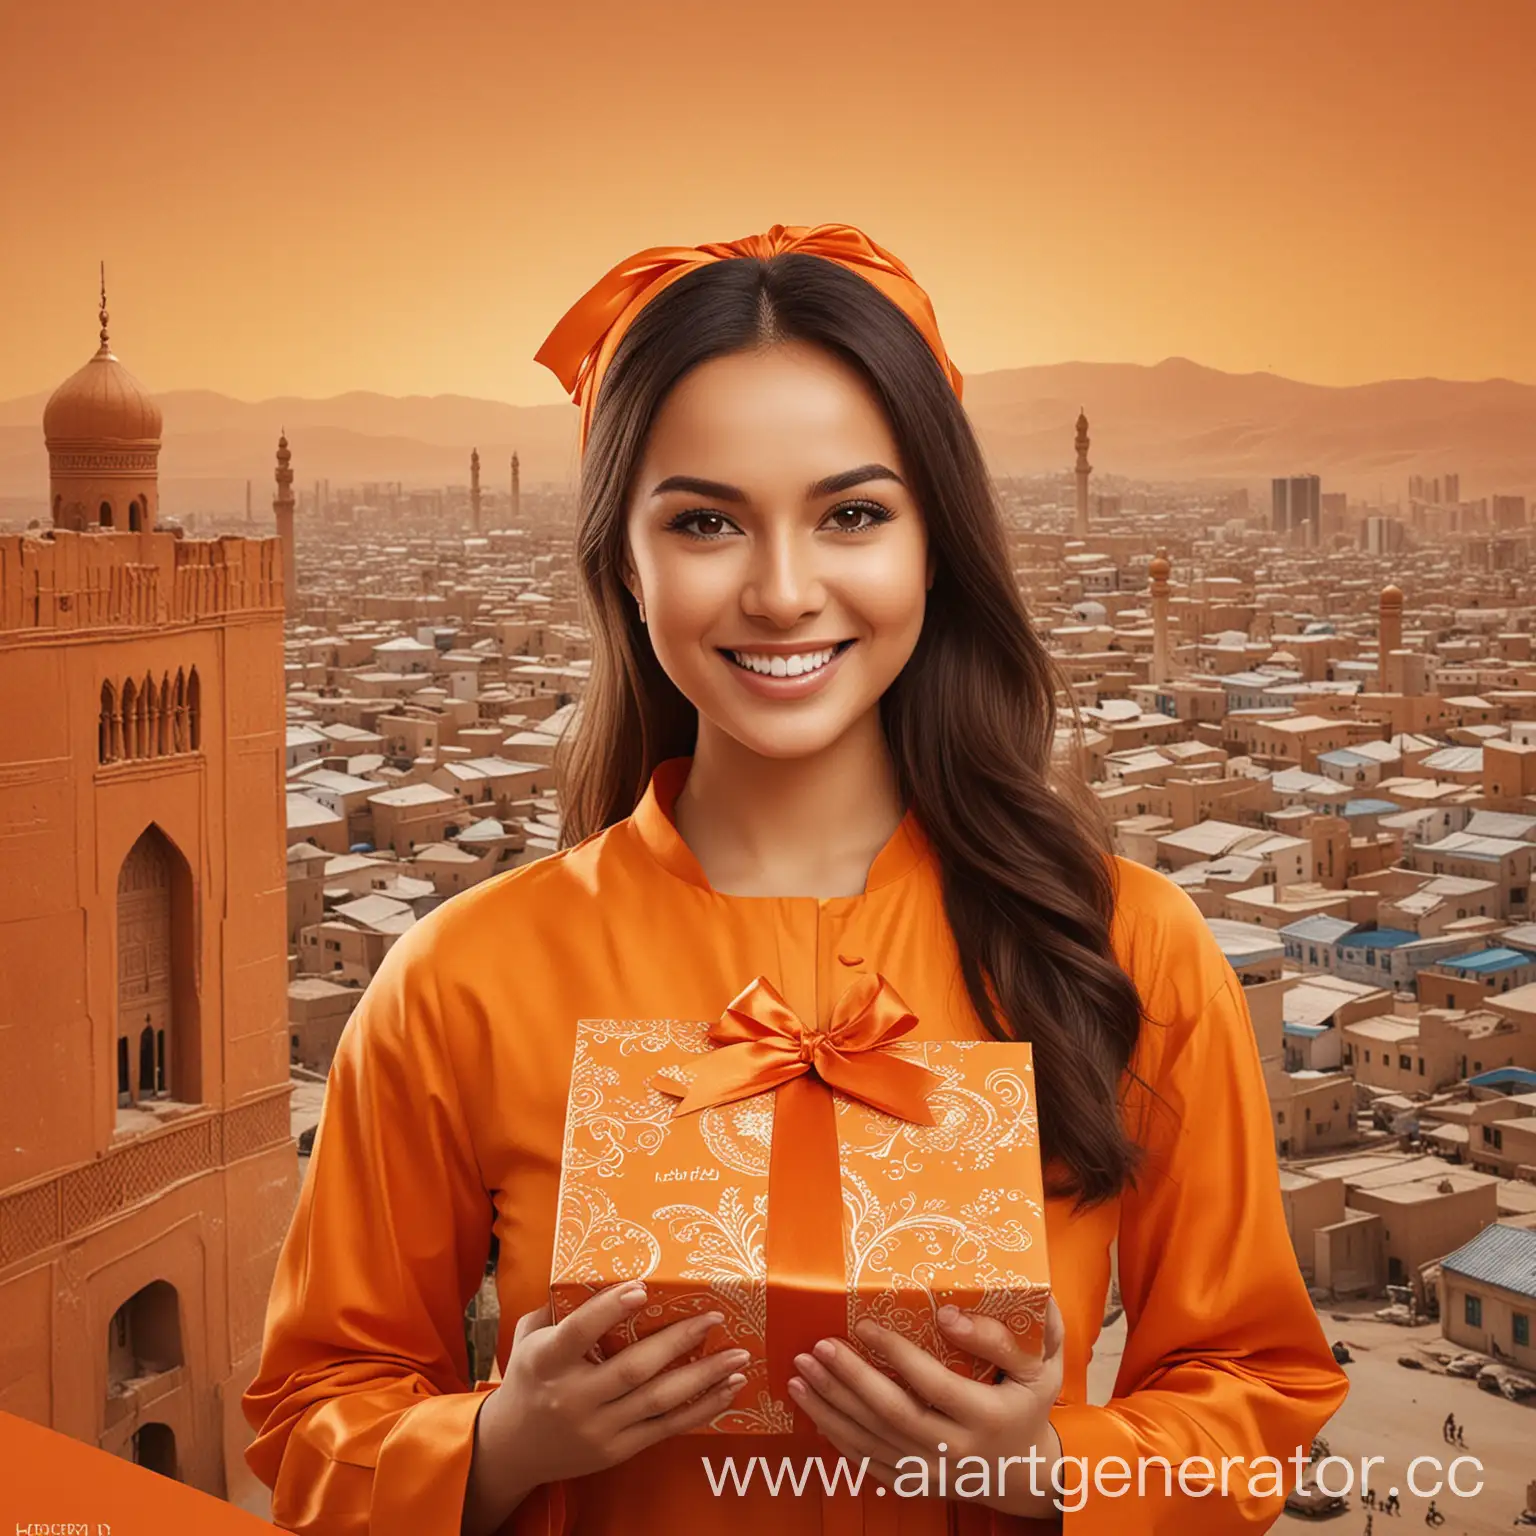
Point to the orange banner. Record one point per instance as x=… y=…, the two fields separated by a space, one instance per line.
x=51 y=1485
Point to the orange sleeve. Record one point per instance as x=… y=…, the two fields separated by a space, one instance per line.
x=363 y=1412
x=1224 y=1353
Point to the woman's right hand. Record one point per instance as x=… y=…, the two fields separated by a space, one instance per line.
x=560 y=1414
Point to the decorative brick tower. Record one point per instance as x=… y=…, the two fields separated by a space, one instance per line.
x=147 y=1172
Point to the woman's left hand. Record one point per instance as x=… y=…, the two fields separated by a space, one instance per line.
x=867 y=1415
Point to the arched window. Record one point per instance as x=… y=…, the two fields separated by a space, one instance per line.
x=105 y=514
x=163 y=716
x=107 y=728
x=194 y=712
x=144 y=714
x=144 y=1336
x=130 y=706
x=179 y=714
x=133 y=516
x=154 y=1447
x=157 y=1005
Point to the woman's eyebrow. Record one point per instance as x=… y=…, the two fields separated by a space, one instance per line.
x=829 y=485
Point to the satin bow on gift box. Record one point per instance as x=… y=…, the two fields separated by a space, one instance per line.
x=762 y=1045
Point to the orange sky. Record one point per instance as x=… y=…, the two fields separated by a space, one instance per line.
x=310 y=196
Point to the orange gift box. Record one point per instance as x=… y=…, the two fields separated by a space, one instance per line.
x=800 y=1181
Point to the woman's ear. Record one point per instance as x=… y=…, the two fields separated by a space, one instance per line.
x=632 y=584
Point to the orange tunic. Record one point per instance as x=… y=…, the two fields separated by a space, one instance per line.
x=444 y=1116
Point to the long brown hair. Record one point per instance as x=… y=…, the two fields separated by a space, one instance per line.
x=971 y=721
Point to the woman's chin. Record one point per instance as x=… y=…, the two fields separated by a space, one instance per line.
x=777 y=734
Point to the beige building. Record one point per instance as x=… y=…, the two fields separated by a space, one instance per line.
x=1488 y=1294
x=1422 y=1208
x=1313 y=1111
x=1442 y=1046
x=318 y=1009
x=406 y=818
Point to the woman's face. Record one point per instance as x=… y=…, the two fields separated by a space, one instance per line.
x=781 y=559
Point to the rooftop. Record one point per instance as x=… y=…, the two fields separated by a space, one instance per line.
x=1499 y=1255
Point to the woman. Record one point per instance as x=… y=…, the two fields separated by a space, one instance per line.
x=817 y=742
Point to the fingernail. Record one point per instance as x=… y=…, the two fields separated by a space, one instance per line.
x=826 y=1350
x=737 y=1357
x=712 y=1319
x=805 y=1363
x=735 y=1383
x=796 y=1387
x=632 y=1294
x=954 y=1319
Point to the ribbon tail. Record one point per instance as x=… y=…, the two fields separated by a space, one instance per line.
x=894 y=1084
x=807 y=1288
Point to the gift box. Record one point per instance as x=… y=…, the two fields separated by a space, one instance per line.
x=800 y=1180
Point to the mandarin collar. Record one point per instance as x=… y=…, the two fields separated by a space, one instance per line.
x=652 y=820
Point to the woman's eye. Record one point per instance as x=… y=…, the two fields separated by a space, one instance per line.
x=856 y=516
x=701 y=525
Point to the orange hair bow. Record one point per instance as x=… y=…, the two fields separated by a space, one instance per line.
x=582 y=345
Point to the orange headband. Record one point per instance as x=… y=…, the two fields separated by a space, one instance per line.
x=582 y=345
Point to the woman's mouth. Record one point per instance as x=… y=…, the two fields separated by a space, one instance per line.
x=787 y=664
x=787 y=674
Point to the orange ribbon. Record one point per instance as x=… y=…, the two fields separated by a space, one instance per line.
x=762 y=1045
x=582 y=344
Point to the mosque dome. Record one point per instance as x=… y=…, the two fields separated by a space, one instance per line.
x=101 y=402
x=1159 y=569
x=1391 y=597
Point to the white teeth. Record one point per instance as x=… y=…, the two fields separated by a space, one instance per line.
x=783 y=666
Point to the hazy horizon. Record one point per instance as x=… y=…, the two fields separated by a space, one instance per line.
x=29 y=396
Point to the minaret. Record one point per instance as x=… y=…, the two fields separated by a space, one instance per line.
x=1389 y=633
x=1159 y=571
x=1084 y=468
x=248 y=501
x=282 y=507
x=517 y=492
x=474 y=487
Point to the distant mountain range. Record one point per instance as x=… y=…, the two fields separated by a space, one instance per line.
x=1175 y=421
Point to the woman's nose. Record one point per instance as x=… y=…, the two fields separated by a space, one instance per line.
x=783 y=580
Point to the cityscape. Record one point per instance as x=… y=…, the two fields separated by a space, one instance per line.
x=249 y=748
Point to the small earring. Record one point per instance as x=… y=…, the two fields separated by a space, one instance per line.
x=640 y=604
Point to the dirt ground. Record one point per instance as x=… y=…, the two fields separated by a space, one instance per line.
x=1397 y=1413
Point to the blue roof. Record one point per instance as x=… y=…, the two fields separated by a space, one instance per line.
x=1499 y=1255
x=1307 y=1031
x=1346 y=757
x=1381 y=938
x=1504 y=1077
x=1369 y=808
x=1486 y=960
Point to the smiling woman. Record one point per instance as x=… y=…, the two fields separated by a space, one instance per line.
x=817 y=748
x=777 y=587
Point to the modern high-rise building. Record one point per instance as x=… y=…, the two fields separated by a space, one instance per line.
x=1508 y=513
x=1296 y=502
x=1382 y=536
x=1435 y=492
